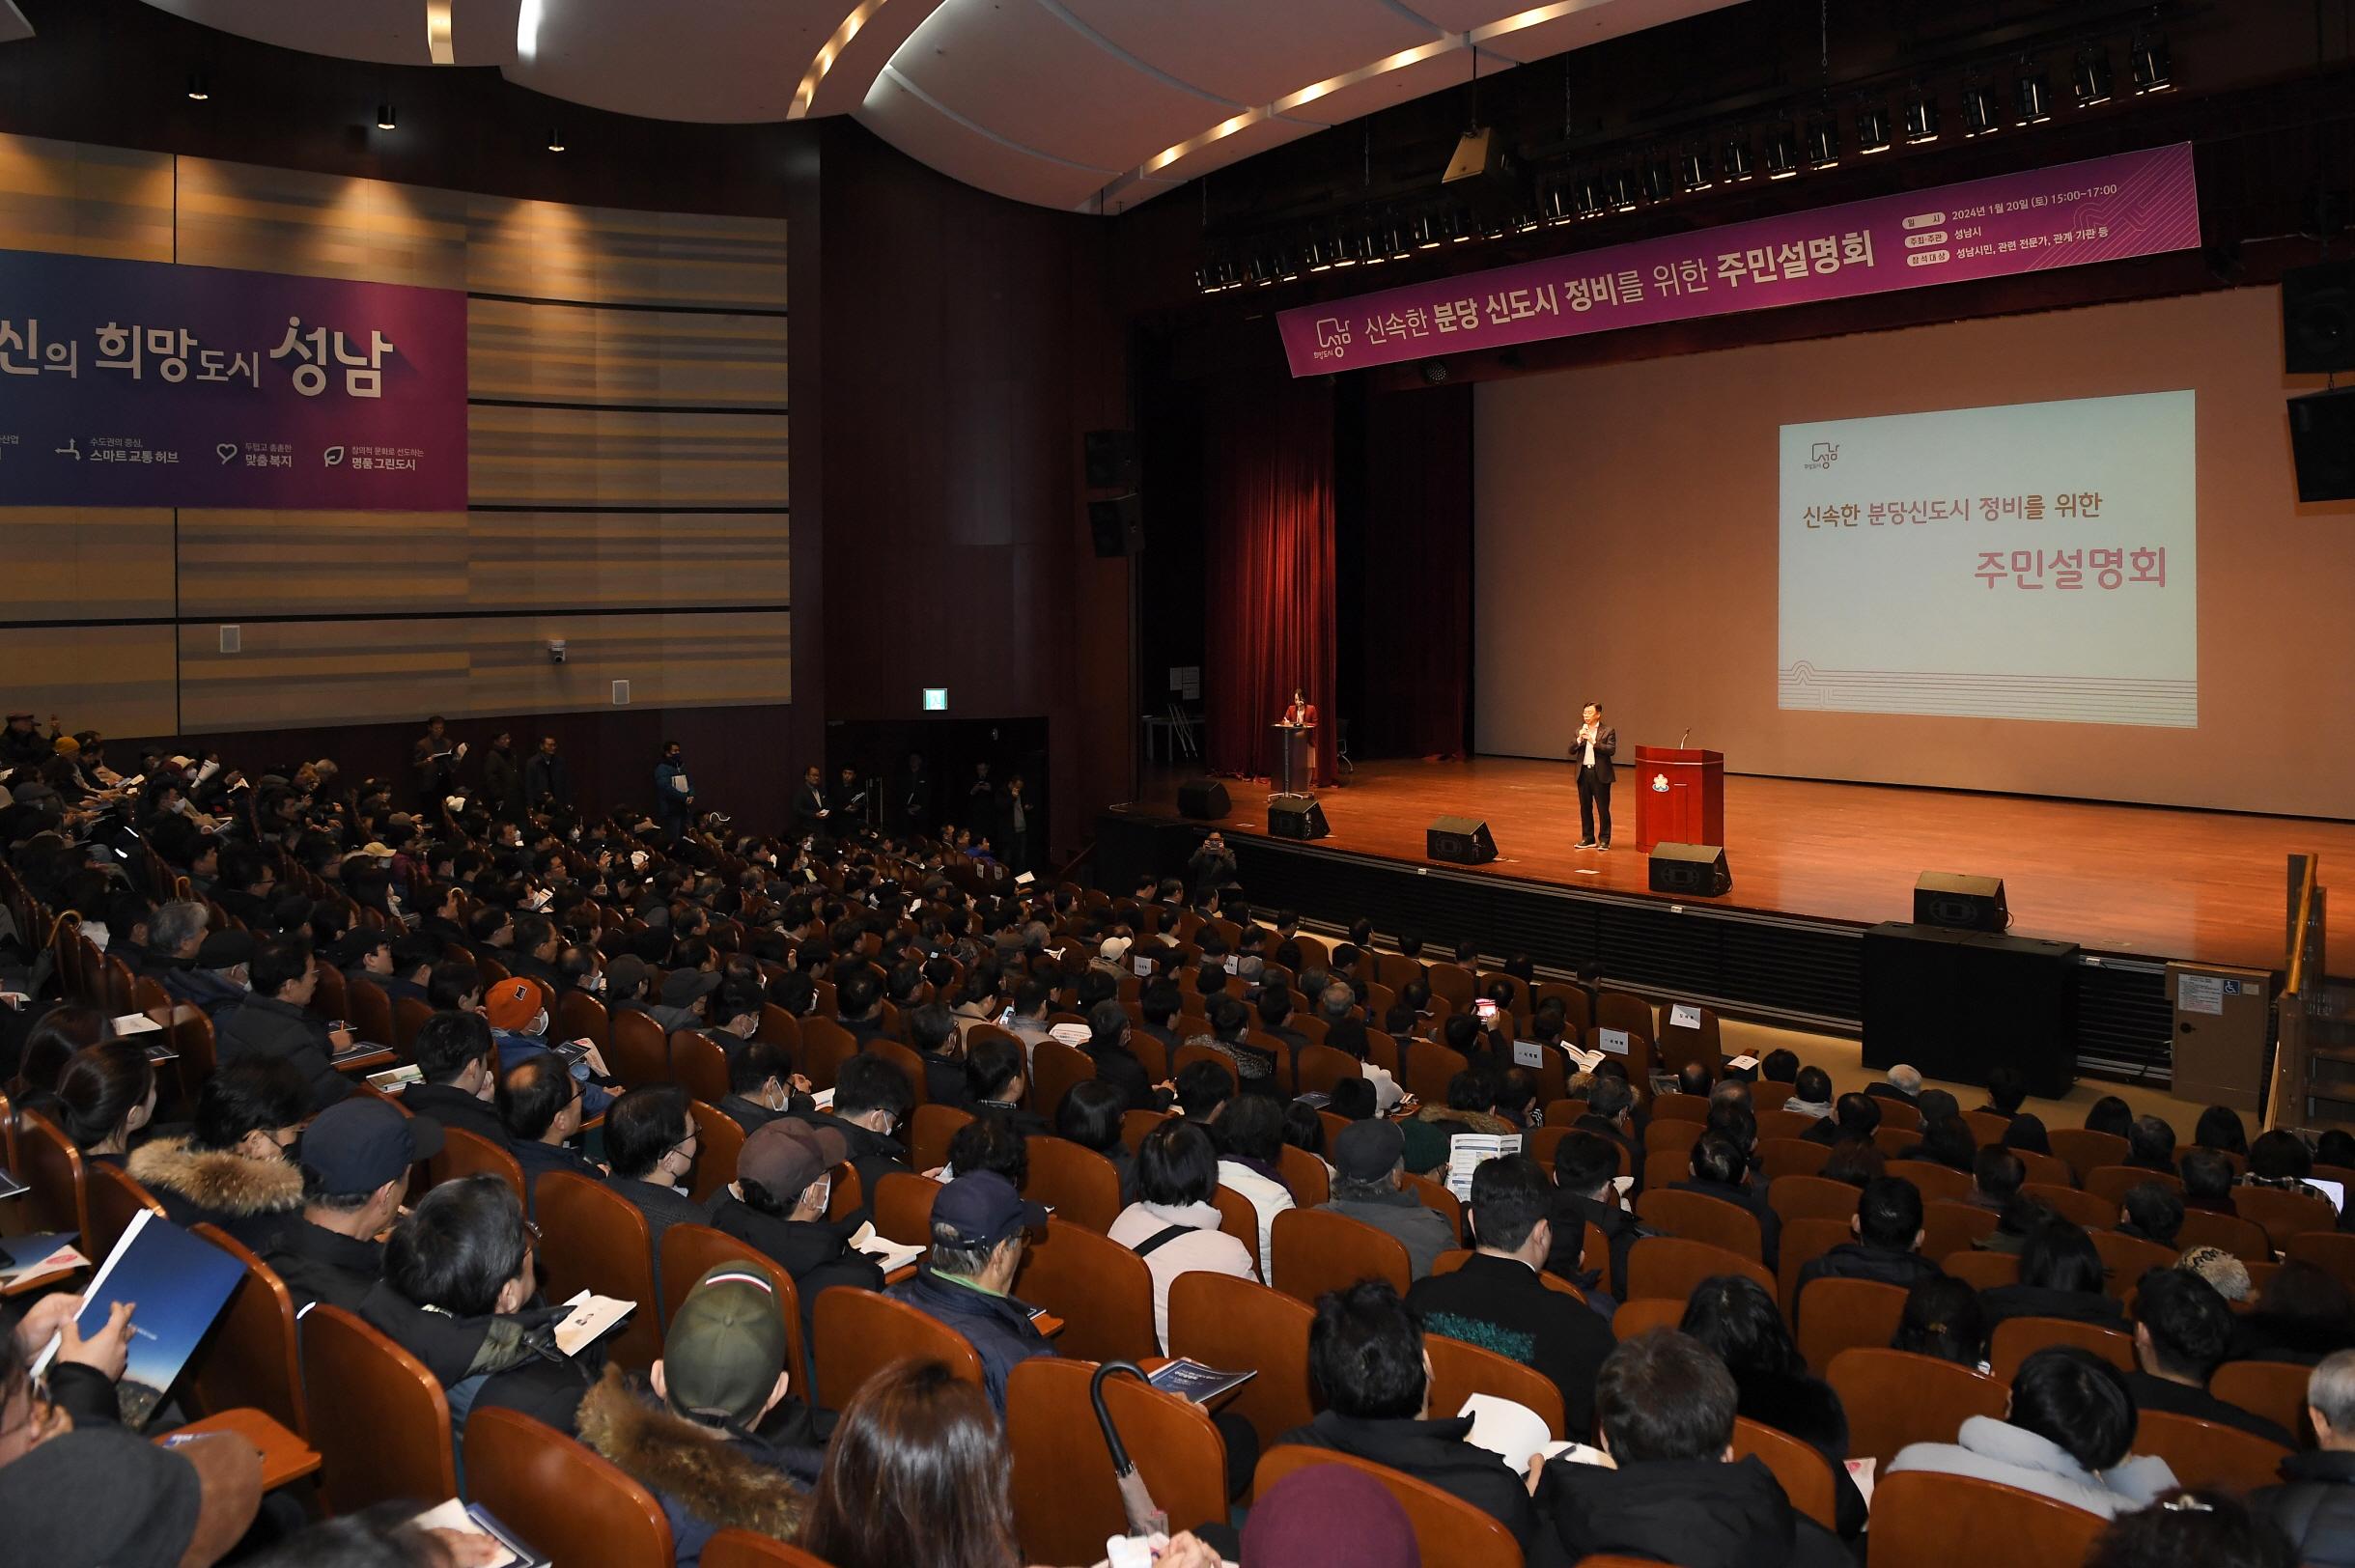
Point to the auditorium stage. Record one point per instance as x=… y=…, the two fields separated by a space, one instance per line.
x=2150 y=881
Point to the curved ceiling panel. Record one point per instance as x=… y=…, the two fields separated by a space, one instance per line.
x=1253 y=51
x=906 y=118
x=717 y=60
x=392 y=32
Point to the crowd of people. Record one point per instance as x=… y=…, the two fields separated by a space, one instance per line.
x=232 y=892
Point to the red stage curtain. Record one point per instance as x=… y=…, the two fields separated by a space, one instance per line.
x=1409 y=564
x=1268 y=480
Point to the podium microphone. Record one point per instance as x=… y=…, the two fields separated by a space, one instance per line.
x=1682 y=738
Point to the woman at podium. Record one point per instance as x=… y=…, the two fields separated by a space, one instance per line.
x=1302 y=712
x=1296 y=762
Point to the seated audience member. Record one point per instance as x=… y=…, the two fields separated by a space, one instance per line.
x=1090 y=1116
x=233 y=1167
x=2006 y=1091
x=1109 y=1033
x=651 y=1143
x=994 y=1072
x=1304 y=1131
x=1903 y=1083
x=1936 y=1104
x=457 y=986
x=2067 y=1437
x=2151 y=1213
x=2208 y=1180
x=357 y=1158
x=1665 y=1409
x=105 y=1095
x=2025 y=1132
x=1720 y=1170
x=932 y=1033
x=979 y=1227
x=2302 y=1315
x=777 y=1206
x=1997 y=1175
x=1497 y=1299
x=1734 y=1316
x=1947 y=1141
x=2314 y=1503
x=871 y=1099
x=691 y=1441
x=1251 y=1140
x=1611 y=1113
x=455 y=1053
x=763 y=1087
x=414 y=958
x=1470 y=1107
x=2336 y=1147
x=735 y=1015
x=2182 y=1332
x=1853 y=1116
x=2226 y=1273
x=1812 y=1095
x=2109 y=1114
x=457 y=1294
x=1356 y=1100
x=540 y=1107
x=1365 y=1352
x=1173 y=1224
x=2150 y=1145
x=1887 y=1231
x=1203 y=1090
x=1370 y=1185
x=1942 y=1319
x=859 y=996
x=2060 y=1277
x=1855 y=1161
x=274 y=1019
x=2209 y=1528
x=2281 y=1158
x=1160 y=1001
x=2220 y=1127
x=1780 y=1065
x=1586 y=1199
x=1329 y=1515
x=518 y=1014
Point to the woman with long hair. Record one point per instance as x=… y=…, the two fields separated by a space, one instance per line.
x=106 y=1093
x=1734 y=1315
x=916 y=1477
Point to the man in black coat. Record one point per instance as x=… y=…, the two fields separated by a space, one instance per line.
x=275 y=1020
x=871 y=1099
x=459 y=1059
x=1108 y=1032
x=2315 y=1505
x=1666 y=1409
x=1590 y=752
x=1720 y=1168
x=1888 y=1228
x=547 y=777
x=356 y=1157
x=1499 y=1301
x=1853 y=1116
x=2182 y=1331
x=651 y=1144
x=1585 y=1199
x=778 y=1204
x=1611 y=1113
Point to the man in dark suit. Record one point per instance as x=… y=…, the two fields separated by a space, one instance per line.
x=1591 y=751
x=811 y=812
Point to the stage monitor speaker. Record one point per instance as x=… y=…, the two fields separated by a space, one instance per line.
x=1960 y=903
x=1464 y=841
x=2319 y=319
x=1203 y=797
x=1118 y=525
x=1698 y=869
x=2322 y=444
x=1112 y=460
x=1296 y=816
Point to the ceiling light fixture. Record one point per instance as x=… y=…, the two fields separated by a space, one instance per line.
x=1737 y=158
x=2033 y=105
x=439 y=40
x=1920 y=124
x=387 y=120
x=528 y=17
x=1823 y=142
x=1693 y=170
x=2152 y=65
x=555 y=139
x=1871 y=129
x=2089 y=78
x=1980 y=114
x=1659 y=179
x=1781 y=153
x=827 y=53
x=199 y=92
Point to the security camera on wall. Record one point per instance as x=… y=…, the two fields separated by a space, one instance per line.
x=555 y=650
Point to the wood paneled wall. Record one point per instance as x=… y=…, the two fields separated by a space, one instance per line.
x=628 y=472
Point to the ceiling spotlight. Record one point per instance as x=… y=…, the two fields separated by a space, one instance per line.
x=1348 y=250
x=2034 y=102
x=1871 y=129
x=2152 y=67
x=1693 y=170
x=1426 y=233
x=1781 y=154
x=1920 y=124
x=1255 y=269
x=1554 y=202
x=1457 y=225
x=1737 y=158
x=1621 y=192
x=1659 y=180
x=1823 y=142
x=2089 y=78
x=199 y=90
x=1586 y=198
x=1980 y=114
x=387 y=120
x=555 y=140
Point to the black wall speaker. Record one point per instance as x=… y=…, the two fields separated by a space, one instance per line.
x=1204 y=797
x=1112 y=460
x=1463 y=840
x=1698 y=869
x=2322 y=443
x=1958 y=1003
x=1960 y=903
x=1118 y=525
x=2319 y=319
x=1296 y=816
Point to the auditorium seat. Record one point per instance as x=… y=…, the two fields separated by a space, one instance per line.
x=389 y=1439
x=1643 y=1316
x=2330 y=1251
x=2112 y=1182
x=2245 y=1240
x=593 y=1239
x=1836 y=1315
x=2209 y=1453
x=1940 y=1183
x=1080 y=1184
x=1924 y=1520
x=2078 y=1208
x=1895 y=1398
x=1805 y=1475
x=565 y=1502
x=1689 y=1108
x=1460 y=1370
x=1101 y=1290
x=253 y=1356
x=742 y=1548
x=698 y=1065
x=1982 y=1270
x=1315 y=1250
x=2283 y=1214
x=2273 y=1390
x=1813 y=1197
x=720 y=1138
x=2016 y=1339
x=1949 y=1228
x=860 y=1332
x=930 y=1127
x=51 y=1167
x=1066 y=1500
x=1447 y=1530
x=641 y=1051
x=1305 y=1176
x=1804 y=1241
x=469 y=1153
x=2087 y=1150
x=1780 y=1158
x=114 y=1200
x=1436 y=1197
x=1054 y=1067
x=1224 y=1322
x=1670 y=1266
x=1696 y=1217
x=2125 y=1259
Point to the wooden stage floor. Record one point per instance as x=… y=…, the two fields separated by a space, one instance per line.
x=2151 y=881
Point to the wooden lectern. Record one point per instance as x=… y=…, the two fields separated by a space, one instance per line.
x=1680 y=797
x=1291 y=742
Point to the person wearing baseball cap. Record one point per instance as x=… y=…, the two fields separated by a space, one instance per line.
x=1368 y=1170
x=979 y=1225
x=355 y=1158
x=777 y=1203
x=692 y=1442
x=517 y=1009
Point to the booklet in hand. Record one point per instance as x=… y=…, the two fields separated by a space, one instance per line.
x=1517 y=1434
x=178 y=1284
x=473 y=1519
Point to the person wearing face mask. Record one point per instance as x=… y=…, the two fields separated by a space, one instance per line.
x=233 y=1169
x=457 y=1294
x=763 y=1087
x=674 y=794
x=651 y=1142
x=518 y=1024
x=778 y=1204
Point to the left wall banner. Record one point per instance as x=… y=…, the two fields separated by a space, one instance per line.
x=126 y=383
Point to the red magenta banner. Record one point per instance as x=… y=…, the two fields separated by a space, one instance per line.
x=2134 y=203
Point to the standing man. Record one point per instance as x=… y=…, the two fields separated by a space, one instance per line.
x=547 y=777
x=915 y=796
x=503 y=778
x=1015 y=850
x=1592 y=751
x=850 y=801
x=811 y=812
x=674 y=796
x=435 y=760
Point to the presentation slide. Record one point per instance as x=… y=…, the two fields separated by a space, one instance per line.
x=2037 y=560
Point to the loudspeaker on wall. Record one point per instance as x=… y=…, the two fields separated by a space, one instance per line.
x=1118 y=526
x=2319 y=319
x=2322 y=444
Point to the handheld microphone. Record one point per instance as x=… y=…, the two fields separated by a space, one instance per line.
x=1682 y=738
